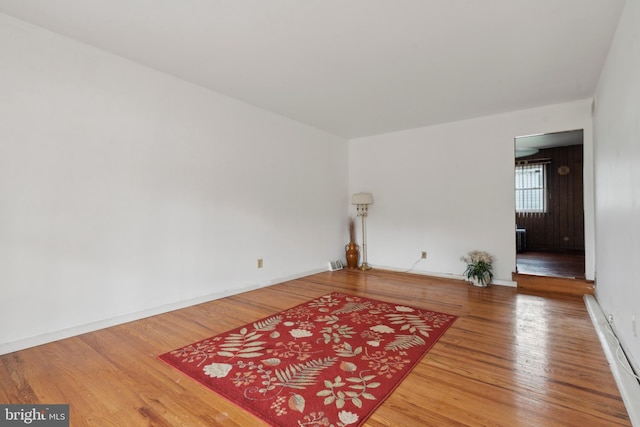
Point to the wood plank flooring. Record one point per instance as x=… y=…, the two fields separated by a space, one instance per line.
x=511 y=359
x=542 y=285
x=552 y=272
x=553 y=264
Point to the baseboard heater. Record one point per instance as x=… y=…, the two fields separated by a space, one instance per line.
x=620 y=368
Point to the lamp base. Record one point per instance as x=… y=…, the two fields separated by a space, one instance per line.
x=365 y=266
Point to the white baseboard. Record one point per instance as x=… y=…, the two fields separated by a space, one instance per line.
x=34 y=341
x=627 y=384
x=509 y=283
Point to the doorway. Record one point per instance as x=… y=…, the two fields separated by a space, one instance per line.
x=549 y=213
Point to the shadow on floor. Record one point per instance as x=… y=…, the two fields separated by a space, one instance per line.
x=551 y=264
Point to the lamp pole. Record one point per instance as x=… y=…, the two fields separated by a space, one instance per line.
x=362 y=202
x=362 y=212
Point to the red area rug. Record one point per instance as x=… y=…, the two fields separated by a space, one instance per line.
x=328 y=362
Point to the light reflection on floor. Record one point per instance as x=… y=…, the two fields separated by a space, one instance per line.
x=531 y=346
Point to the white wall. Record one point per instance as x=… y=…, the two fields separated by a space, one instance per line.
x=125 y=191
x=448 y=189
x=617 y=166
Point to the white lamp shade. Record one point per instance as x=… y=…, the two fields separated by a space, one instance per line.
x=362 y=199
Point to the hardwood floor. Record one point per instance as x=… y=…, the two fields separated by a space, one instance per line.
x=511 y=359
x=569 y=265
x=551 y=272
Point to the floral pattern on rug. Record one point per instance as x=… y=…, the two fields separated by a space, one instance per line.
x=328 y=362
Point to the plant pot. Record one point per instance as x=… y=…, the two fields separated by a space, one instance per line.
x=353 y=253
x=475 y=281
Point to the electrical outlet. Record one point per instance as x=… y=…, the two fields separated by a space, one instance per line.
x=424 y=254
x=259 y=262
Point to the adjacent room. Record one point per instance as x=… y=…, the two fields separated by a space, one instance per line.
x=174 y=174
x=550 y=204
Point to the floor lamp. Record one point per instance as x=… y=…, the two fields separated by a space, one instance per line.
x=362 y=202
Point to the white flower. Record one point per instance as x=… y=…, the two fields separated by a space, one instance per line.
x=374 y=343
x=217 y=370
x=475 y=257
x=288 y=323
x=300 y=333
x=383 y=329
x=347 y=417
x=404 y=309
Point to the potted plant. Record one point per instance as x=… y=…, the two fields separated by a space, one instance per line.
x=479 y=268
x=352 y=250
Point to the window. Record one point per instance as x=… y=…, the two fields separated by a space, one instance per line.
x=531 y=188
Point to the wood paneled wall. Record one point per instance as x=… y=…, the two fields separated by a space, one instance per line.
x=561 y=229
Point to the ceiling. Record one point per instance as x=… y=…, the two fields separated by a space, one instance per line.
x=355 y=67
x=531 y=144
x=550 y=140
